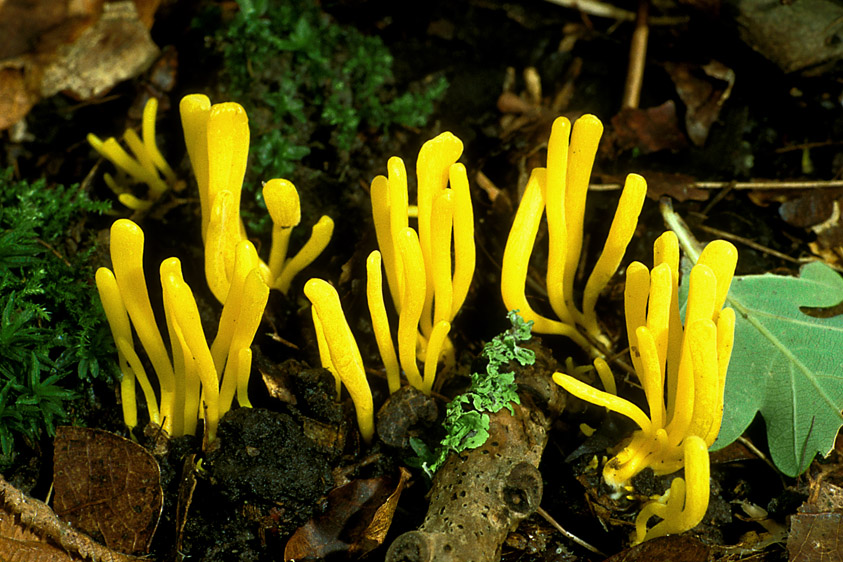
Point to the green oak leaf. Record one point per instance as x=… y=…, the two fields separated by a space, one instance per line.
x=786 y=364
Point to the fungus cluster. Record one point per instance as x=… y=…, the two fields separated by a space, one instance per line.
x=682 y=370
x=189 y=377
x=559 y=192
x=427 y=287
x=145 y=164
x=217 y=139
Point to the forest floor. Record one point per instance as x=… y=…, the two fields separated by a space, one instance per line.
x=718 y=126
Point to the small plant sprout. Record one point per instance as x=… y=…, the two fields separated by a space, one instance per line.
x=682 y=371
x=559 y=191
x=217 y=139
x=427 y=289
x=189 y=384
x=145 y=165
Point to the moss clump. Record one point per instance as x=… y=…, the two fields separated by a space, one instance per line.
x=309 y=84
x=51 y=323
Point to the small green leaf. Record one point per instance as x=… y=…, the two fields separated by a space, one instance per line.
x=786 y=364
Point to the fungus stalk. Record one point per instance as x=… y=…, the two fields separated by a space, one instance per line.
x=427 y=287
x=559 y=192
x=199 y=381
x=145 y=164
x=217 y=139
x=339 y=352
x=682 y=370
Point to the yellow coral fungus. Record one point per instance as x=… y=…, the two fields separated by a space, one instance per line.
x=559 y=191
x=682 y=372
x=145 y=164
x=194 y=365
x=428 y=271
x=339 y=352
x=217 y=139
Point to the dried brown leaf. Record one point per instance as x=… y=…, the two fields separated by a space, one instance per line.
x=677 y=548
x=24 y=517
x=16 y=96
x=703 y=89
x=816 y=537
x=114 y=49
x=356 y=521
x=19 y=543
x=41 y=26
x=108 y=487
x=648 y=130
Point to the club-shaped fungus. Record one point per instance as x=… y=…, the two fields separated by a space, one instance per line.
x=339 y=352
x=682 y=370
x=145 y=164
x=190 y=382
x=217 y=139
x=427 y=287
x=559 y=192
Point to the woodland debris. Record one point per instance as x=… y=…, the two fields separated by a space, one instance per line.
x=37 y=516
x=108 y=487
x=481 y=495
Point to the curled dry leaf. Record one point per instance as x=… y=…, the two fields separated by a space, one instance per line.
x=83 y=47
x=356 y=522
x=108 y=487
x=648 y=130
x=704 y=90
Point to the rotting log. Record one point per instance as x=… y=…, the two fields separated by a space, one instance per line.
x=481 y=495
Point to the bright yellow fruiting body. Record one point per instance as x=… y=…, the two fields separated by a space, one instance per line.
x=559 y=192
x=217 y=139
x=427 y=286
x=190 y=382
x=682 y=371
x=145 y=164
x=339 y=351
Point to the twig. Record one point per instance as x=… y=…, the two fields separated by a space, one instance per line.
x=754 y=245
x=767 y=184
x=603 y=10
x=38 y=516
x=637 y=56
x=568 y=534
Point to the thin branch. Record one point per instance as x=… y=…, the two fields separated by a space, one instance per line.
x=761 y=184
x=568 y=534
x=604 y=10
x=637 y=57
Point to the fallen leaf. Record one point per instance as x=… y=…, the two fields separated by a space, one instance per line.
x=41 y=26
x=676 y=548
x=816 y=537
x=19 y=543
x=356 y=521
x=786 y=364
x=31 y=532
x=648 y=130
x=116 y=48
x=703 y=90
x=108 y=487
x=16 y=96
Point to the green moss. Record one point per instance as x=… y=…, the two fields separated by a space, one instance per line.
x=52 y=333
x=309 y=83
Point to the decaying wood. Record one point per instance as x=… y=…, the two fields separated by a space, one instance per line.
x=38 y=515
x=481 y=495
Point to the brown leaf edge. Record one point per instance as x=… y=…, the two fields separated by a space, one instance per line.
x=38 y=515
